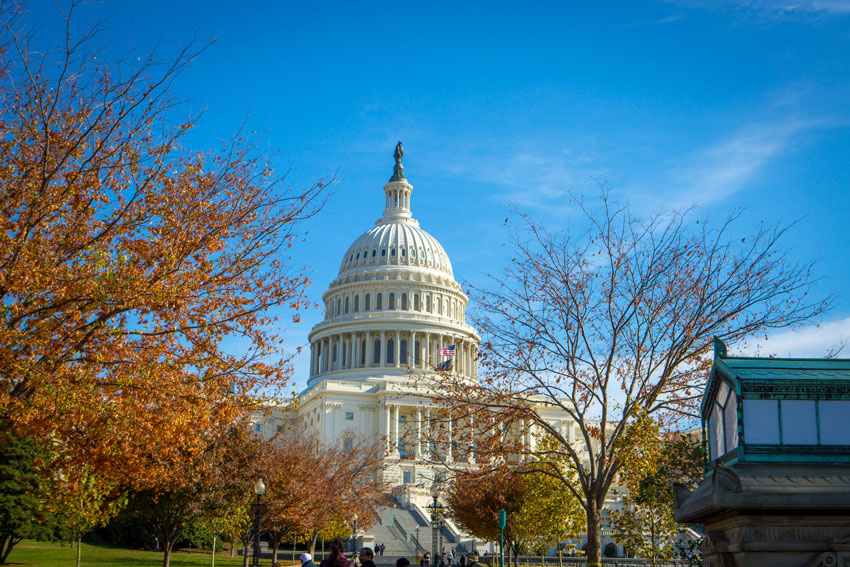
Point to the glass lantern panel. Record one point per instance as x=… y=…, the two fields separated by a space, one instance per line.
x=722 y=392
x=834 y=422
x=799 y=423
x=715 y=433
x=761 y=422
x=730 y=422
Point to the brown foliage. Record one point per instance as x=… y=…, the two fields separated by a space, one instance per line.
x=126 y=260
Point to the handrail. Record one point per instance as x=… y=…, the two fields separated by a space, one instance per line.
x=419 y=547
x=400 y=528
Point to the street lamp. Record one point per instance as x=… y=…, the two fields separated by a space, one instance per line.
x=259 y=490
x=354 y=532
x=435 y=522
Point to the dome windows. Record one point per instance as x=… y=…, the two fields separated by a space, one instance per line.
x=356 y=303
x=378 y=302
x=383 y=251
x=391 y=302
x=366 y=302
x=374 y=252
x=404 y=302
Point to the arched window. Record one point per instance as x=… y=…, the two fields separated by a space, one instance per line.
x=392 y=251
x=378 y=305
x=391 y=302
x=374 y=252
x=428 y=303
x=346 y=304
x=344 y=361
x=402 y=355
x=383 y=251
x=390 y=351
x=356 y=303
x=334 y=358
x=366 y=303
x=403 y=250
x=338 y=306
x=416 y=302
x=439 y=306
x=404 y=302
x=362 y=361
x=377 y=357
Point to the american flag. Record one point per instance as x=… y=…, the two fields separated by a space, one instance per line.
x=447 y=351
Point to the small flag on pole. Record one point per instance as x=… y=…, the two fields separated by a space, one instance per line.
x=447 y=351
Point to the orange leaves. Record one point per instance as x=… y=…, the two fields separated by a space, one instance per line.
x=125 y=262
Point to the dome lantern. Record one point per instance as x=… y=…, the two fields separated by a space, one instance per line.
x=397 y=192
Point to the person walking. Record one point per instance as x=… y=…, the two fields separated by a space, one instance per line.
x=367 y=557
x=337 y=556
x=307 y=560
x=463 y=560
x=450 y=558
x=426 y=560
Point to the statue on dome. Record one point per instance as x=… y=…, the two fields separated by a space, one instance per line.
x=398 y=170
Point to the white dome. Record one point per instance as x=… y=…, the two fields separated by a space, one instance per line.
x=399 y=243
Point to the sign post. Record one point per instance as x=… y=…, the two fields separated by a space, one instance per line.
x=503 y=521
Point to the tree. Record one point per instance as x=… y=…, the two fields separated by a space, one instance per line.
x=646 y=525
x=127 y=259
x=609 y=320
x=474 y=501
x=84 y=501
x=348 y=485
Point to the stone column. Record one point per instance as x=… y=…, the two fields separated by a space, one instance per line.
x=370 y=350
x=449 y=456
x=471 y=457
x=418 y=431
x=397 y=348
x=395 y=431
x=352 y=359
x=426 y=354
x=411 y=350
x=387 y=424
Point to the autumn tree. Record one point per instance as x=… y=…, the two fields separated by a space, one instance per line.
x=646 y=526
x=127 y=258
x=351 y=485
x=610 y=319
x=474 y=501
x=83 y=500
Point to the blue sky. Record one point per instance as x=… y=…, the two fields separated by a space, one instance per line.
x=740 y=104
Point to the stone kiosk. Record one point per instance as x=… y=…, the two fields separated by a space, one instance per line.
x=776 y=490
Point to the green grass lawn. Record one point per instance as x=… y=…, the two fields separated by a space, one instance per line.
x=38 y=554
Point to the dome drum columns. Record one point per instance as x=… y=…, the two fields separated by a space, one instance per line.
x=390 y=350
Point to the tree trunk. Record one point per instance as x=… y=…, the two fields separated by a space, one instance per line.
x=79 y=543
x=594 y=536
x=233 y=549
x=275 y=547
x=166 y=556
x=313 y=539
x=212 y=557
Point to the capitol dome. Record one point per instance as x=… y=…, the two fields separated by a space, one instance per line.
x=394 y=304
x=395 y=243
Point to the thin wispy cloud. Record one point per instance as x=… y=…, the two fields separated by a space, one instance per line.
x=772 y=9
x=814 y=341
x=726 y=166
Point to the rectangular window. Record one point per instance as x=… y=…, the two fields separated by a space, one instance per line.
x=761 y=422
x=834 y=422
x=799 y=422
x=349 y=416
x=407 y=478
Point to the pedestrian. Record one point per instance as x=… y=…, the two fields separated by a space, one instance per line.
x=450 y=558
x=366 y=557
x=426 y=560
x=463 y=560
x=337 y=556
x=402 y=562
x=307 y=560
x=156 y=540
x=382 y=546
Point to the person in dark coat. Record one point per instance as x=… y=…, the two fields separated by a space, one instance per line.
x=366 y=557
x=307 y=560
x=402 y=562
x=337 y=556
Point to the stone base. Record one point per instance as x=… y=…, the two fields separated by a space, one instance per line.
x=777 y=541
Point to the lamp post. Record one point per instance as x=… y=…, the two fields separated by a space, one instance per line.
x=435 y=522
x=354 y=532
x=259 y=490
